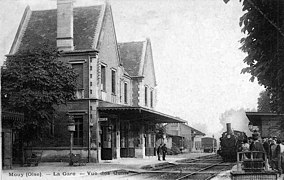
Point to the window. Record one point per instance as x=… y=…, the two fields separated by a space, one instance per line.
x=146 y=95
x=78 y=68
x=197 y=145
x=125 y=92
x=78 y=134
x=113 y=81
x=151 y=98
x=103 y=77
x=120 y=90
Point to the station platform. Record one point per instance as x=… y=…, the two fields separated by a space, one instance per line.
x=59 y=170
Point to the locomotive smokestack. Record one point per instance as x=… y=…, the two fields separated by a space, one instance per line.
x=229 y=129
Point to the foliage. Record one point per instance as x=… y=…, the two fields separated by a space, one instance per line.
x=174 y=150
x=160 y=131
x=263 y=22
x=33 y=82
x=263 y=102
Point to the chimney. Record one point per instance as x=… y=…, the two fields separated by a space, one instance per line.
x=229 y=129
x=64 y=40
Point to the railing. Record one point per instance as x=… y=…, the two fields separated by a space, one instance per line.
x=251 y=156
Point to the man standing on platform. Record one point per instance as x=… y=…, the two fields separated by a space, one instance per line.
x=257 y=146
x=266 y=148
x=159 y=151
x=164 y=151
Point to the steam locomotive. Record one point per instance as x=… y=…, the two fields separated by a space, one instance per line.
x=230 y=144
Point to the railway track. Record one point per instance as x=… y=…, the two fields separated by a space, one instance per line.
x=202 y=168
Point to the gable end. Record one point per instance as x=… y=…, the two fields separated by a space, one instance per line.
x=98 y=30
x=21 y=30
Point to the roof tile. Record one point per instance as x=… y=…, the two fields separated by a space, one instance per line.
x=130 y=54
x=42 y=28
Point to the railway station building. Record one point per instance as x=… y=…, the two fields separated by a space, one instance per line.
x=185 y=136
x=114 y=111
x=268 y=124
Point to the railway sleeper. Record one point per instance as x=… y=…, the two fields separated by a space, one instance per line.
x=158 y=166
x=197 y=163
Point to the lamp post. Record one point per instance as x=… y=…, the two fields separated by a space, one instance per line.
x=71 y=129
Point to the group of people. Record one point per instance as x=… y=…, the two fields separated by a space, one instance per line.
x=272 y=147
x=274 y=150
x=162 y=150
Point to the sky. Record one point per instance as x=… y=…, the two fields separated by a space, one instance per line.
x=196 y=54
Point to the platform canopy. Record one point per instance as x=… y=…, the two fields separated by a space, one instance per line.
x=256 y=117
x=140 y=114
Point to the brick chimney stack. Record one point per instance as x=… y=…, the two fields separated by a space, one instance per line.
x=64 y=38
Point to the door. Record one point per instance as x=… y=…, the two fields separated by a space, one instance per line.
x=17 y=150
x=150 y=140
x=107 y=142
x=127 y=148
x=150 y=145
x=7 y=149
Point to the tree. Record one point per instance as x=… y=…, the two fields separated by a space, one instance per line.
x=160 y=131
x=33 y=82
x=263 y=24
x=263 y=102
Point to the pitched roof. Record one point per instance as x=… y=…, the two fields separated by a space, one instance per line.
x=42 y=27
x=197 y=132
x=131 y=54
